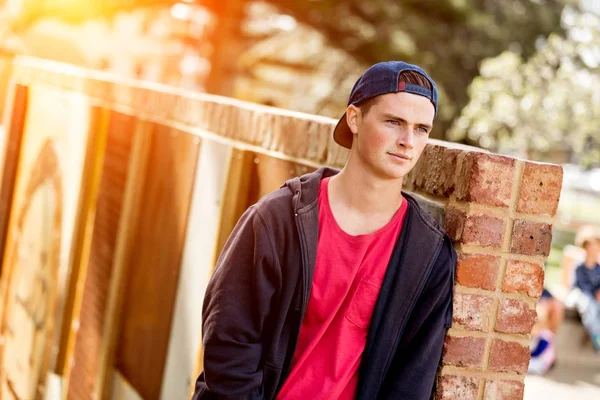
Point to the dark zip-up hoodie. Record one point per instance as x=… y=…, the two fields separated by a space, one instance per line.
x=258 y=294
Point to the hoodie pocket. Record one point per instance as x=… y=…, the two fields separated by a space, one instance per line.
x=363 y=301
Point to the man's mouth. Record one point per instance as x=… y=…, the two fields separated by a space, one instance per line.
x=401 y=156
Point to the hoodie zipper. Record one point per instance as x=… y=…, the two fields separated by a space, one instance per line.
x=414 y=303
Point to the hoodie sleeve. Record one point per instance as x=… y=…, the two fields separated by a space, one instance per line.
x=236 y=305
x=414 y=366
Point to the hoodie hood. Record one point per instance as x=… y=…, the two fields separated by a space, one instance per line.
x=305 y=195
x=305 y=189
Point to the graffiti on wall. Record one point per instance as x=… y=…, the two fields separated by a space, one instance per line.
x=39 y=249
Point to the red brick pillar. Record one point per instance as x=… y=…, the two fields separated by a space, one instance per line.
x=499 y=211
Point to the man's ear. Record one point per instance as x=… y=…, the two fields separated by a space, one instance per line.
x=353 y=118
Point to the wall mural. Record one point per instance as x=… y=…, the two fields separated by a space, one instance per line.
x=39 y=250
x=34 y=264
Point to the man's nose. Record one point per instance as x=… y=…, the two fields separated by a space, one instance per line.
x=406 y=138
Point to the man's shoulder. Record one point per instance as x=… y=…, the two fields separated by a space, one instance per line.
x=275 y=204
x=429 y=219
x=429 y=214
x=305 y=188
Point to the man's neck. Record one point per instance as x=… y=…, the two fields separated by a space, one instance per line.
x=361 y=191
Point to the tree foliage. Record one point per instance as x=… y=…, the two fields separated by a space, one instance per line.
x=449 y=38
x=547 y=103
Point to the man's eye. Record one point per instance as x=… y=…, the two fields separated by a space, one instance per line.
x=423 y=130
x=393 y=122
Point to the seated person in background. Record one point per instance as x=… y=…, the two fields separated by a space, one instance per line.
x=587 y=280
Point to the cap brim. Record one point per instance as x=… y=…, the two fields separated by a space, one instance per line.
x=342 y=133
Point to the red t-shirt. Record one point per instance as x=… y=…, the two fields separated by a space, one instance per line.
x=348 y=275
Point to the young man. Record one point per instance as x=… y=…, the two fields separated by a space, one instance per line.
x=338 y=285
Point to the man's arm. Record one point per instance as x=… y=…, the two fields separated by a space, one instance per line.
x=413 y=369
x=236 y=306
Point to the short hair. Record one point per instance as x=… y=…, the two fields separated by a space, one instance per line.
x=405 y=76
x=587 y=242
x=587 y=234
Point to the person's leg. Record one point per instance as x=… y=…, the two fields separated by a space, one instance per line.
x=556 y=315
x=543 y=355
x=543 y=309
x=591 y=321
x=550 y=313
x=542 y=337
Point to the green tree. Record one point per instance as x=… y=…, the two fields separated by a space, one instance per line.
x=548 y=103
x=449 y=38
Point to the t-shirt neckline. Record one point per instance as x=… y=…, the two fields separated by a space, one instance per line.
x=324 y=188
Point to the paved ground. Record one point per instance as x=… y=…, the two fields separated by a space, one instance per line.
x=576 y=375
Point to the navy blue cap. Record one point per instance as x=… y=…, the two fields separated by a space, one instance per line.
x=382 y=78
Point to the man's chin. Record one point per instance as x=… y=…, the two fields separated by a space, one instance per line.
x=397 y=173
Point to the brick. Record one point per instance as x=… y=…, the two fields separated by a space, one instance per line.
x=455 y=222
x=473 y=311
x=463 y=351
x=486 y=179
x=515 y=316
x=477 y=271
x=531 y=238
x=474 y=229
x=451 y=387
x=504 y=390
x=435 y=172
x=508 y=357
x=523 y=277
x=483 y=230
x=540 y=189
x=408 y=182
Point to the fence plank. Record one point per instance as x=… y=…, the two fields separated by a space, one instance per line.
x=136 y=176
x=197 y=264
x=155 y=260
x=81 y=360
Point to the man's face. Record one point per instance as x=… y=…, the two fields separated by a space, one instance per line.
x=390 y=138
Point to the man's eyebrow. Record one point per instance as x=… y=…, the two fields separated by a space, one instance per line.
x=395 y=117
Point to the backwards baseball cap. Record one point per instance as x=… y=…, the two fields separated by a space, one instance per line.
x=382 y=78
